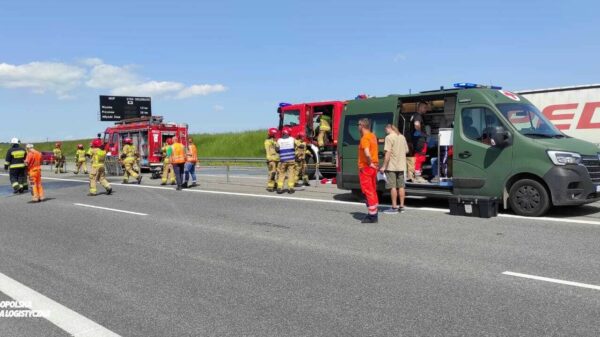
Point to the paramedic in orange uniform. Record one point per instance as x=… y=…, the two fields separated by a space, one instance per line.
x=368 y=161
x=34 y=168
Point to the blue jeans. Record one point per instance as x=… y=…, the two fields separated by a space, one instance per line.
x=190 y=169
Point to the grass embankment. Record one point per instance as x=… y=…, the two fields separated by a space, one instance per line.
x=230 y=144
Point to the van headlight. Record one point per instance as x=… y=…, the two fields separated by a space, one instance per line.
x=564 y=158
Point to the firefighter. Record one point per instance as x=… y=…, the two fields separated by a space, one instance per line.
x=176 y=153
x=272 y=153
x=301 y=153
x=80 y=160
x=15 y=164
x=129 y=157
x=59 y=159
x=324 y=130
x=167 y=170
x=34 y=170
x=190 y=163
x=98 y=172
x=287 y=162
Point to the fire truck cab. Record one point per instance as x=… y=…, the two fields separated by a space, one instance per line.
x=306 y=117
x=148 y=135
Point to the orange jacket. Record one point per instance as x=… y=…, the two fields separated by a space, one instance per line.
x=192 y=154
x=177 y=153
x=33 y=160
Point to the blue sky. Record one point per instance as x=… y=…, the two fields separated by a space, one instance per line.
x=224 y=65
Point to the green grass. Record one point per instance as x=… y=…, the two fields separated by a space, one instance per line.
x=230 y=144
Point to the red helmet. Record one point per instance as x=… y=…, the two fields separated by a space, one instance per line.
x=128 y=140
x=80 y=146
x=301 y=134
x=96 y=143
x=58 y=144
x=273 y=132
x=286 y=131
x=170 y=141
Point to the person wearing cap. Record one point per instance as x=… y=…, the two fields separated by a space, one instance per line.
x=59 y=159
x=129 y=156
x=272 y=156
x=98 y=172
x=15 y=164
x=287 y=161
x=34 y=170
x=301 y=153
x=167 y=170
x=80 y=160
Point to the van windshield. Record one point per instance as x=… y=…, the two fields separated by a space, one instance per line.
x=528 y=120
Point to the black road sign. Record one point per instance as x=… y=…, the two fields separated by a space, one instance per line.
x=116 y=108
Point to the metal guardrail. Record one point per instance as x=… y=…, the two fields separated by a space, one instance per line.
x=228 y=161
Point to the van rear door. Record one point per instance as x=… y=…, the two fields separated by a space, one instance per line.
x=380 y=111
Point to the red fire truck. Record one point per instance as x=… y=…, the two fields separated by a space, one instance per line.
x=148 y=135
x=306 y=117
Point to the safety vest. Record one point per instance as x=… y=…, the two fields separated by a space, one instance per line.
x=34 y=160
x=286 y=149
x=177 y=153
x=271 y=149
x=192 y=154
x=98 y=158
x=15 y=158
x=163 y=152
x=80 y=155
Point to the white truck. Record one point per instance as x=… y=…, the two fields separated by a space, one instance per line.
x=574 y=110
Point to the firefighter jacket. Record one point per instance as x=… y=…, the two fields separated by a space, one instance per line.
x=98 y=157
x=80 y=156
x=325 y=124
x=271 y=149
x=58 y=155
x=129 y=153
x=15 y=158
x=163 y=152
x=301 y=150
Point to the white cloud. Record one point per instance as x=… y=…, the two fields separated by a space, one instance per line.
x=152 y=88
x=41 y=77
x=201 y=90
x=218 y=107
x=63 y=79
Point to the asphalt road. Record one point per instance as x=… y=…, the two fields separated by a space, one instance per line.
x=233 y=260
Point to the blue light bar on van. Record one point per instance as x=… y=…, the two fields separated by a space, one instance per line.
x=282 y=105
x=466 y=85
x=496 y=87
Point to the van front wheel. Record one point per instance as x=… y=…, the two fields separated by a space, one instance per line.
x=529 y=198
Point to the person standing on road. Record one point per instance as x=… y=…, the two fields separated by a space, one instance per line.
x=287 y=162
x=98 y=172
x=394 y=167
x=34 y=169
x=167 y=170
x=176 y=153
x=15 y=164
x=272 y=154
x=129 y=156
x=301 y=153
x=80 y=160
x=190 y=163
x=368 y=161
x=59 y=158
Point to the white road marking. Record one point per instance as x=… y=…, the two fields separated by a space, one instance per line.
x=552 y=280
x=427 y=209
x=109 y=209
x=59 y=315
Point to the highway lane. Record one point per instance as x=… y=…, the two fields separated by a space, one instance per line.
x=222 y=264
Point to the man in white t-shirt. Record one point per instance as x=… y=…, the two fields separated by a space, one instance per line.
x=394 y=166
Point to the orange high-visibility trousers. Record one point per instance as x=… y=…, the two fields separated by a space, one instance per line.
x=368 y=186
x=35 y=175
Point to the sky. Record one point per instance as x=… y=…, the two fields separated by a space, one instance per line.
x=225 y=65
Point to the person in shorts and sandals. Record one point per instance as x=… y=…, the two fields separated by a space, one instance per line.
x=394 y=167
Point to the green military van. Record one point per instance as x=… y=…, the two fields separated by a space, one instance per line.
x=500 y=145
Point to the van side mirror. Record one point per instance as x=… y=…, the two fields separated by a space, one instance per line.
x=501 y=137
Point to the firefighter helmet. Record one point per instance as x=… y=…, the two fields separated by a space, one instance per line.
x=127 y=140
x=286 y=131
x=273 y=132
x=15 y=141
x=301 y=134
x=170 y=141
x=97 y=143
